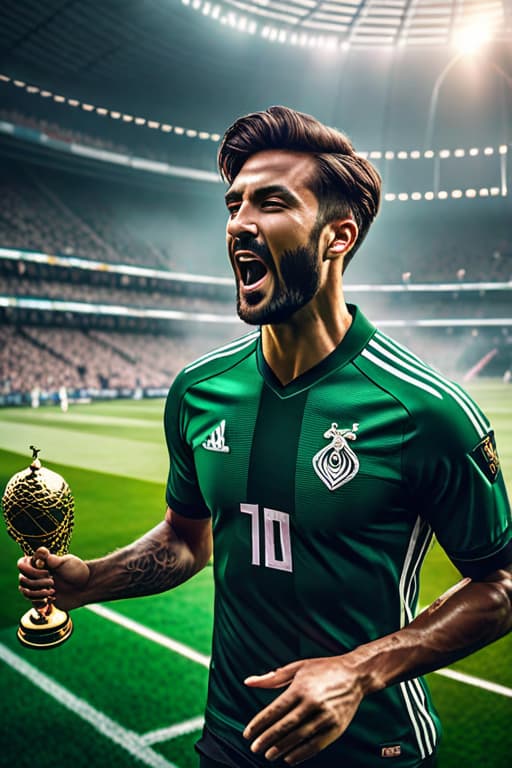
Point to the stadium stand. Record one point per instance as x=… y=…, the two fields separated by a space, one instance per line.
x=133 y=222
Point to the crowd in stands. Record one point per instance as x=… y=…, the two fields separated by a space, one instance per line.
x=181 y=228
x=165 y=147
x=103 y=294
x=49 y=358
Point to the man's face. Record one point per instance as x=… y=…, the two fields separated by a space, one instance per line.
x=273 y=237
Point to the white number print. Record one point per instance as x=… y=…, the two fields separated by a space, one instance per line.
x=270 y=517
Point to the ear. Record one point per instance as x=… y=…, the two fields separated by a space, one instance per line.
x=343 y=234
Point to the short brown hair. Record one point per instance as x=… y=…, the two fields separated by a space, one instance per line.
x=345 y=183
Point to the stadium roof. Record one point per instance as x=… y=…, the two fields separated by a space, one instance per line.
x=360 y=23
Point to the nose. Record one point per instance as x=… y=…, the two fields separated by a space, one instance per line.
x=242 y=222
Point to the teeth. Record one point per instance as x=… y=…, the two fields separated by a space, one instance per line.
x=251 y=270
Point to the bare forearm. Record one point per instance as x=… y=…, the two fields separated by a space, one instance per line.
x=157 y=562
x=470 y=616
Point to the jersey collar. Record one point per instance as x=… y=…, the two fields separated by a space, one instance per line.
x=354 y=341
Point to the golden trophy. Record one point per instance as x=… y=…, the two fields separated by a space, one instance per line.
x=38 y=510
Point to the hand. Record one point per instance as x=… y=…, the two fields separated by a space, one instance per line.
x=60 y=581
x=318 y=706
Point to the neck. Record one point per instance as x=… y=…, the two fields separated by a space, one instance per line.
x=292 y=348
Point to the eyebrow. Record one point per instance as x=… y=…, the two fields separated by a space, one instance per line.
x=232 y=195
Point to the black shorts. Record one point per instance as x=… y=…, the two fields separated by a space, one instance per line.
x=215 y=753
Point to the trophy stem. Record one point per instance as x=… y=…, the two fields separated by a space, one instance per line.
x=44 y=627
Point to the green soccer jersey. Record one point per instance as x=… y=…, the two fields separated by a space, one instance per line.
x=324 y=496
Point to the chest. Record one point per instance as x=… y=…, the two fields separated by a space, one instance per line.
x=328 y=457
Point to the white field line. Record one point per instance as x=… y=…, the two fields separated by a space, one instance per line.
x=150 y=634
x=184 y=650
x=173 y=731
x=461 y=677
x=128 y=740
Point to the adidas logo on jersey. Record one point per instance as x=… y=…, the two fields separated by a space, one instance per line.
x=216 y=440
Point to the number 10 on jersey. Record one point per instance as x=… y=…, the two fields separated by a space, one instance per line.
x=272 y=526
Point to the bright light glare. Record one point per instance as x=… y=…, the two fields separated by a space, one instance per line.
x=471 y=39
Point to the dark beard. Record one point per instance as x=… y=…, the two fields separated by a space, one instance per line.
x=300 y=281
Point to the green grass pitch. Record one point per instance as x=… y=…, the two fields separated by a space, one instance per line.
x=112 y=696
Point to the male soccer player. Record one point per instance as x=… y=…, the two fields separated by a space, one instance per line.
x=322 y=457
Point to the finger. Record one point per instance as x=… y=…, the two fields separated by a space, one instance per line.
x=26 y=567
x=273 y=713
x=297 y=735
x=311 y=747
x=287 y=729
x=276 y=678
x=36 y=594
x=44 y=583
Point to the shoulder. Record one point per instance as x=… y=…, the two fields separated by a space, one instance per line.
x=215 y=362
x=437 y=406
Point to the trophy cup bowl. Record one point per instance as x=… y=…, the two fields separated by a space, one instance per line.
x=38 y=511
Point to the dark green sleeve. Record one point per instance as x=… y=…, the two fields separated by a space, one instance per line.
x=182 y=494
x=457 y=485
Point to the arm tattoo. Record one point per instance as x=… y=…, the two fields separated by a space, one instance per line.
x=155 y=570
x=155 y=563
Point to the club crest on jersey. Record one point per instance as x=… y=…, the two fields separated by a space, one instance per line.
x=337 y=464
x=486 y=457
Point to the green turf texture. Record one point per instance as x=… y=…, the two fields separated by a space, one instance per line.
x=114 y=459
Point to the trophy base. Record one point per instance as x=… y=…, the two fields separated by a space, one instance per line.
x=50 y=631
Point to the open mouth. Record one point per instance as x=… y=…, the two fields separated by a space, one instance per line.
x=252 y=270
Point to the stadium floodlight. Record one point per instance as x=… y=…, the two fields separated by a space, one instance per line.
x=470 y=192
x=442 y=195
x=403 y=196
x=415 y=154
x=389 y=196
x=488 y=151
x=389 y=155
x=115 y=115
x=32 y=89
x=73 y=102
x=376 y=155
x=5 y=78
x=153 y=124
x=483 y=192
x=503 y=149
x=494 y=191
x=101 y=111
x=429 y=195
x=179 y=130
x=19 y=83
x=166 y=128
x=58 y=98
x=428 y=154
x=459 y=152
x=215 y=137
x=140 y=120
x=474 y=151
x=128 y=118
x=457 y=193
x=46 y=94
x=88 y=107
x=403 y=155
x=444 y=153
x=416 y=196
x=472 y=38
